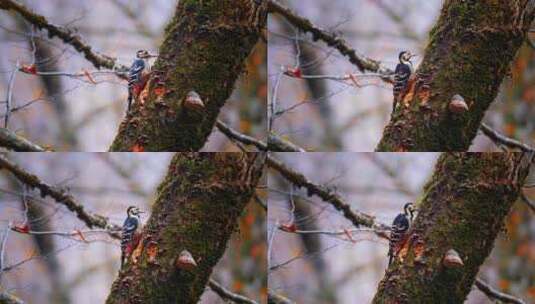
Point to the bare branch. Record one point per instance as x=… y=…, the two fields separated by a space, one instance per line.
x=14 y=142
x=6 y=298
x=228 y=295
x=66 y=35
x=495 y=294
x=274 y=298
x=278 y=144
x=61 y=197
x=235 y=135
x=300 y=180
x=361 y=62
x=500 y=139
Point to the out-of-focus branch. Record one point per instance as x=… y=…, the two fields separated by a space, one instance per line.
x=66 y=35
x=500 y=139
x=495 y=294
x=228 y=295
x=528 y=202
x=361 y=62
x=6 y=298
x=300 y=180
x=235 y=135
x=275 y=298
x=61 y=197
x=14 y=142
x=278 y=144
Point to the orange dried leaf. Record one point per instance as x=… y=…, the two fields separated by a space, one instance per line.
x=80 y=234
x=152 y=252
x=159 y=91
x=138 y=148
x=89 y=76
x=349 y=236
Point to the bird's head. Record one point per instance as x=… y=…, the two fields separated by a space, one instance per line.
x=409 y=209
x=142 y=54
x=133 y=211
x=405 y=57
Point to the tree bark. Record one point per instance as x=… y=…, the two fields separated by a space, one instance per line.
x=463 y=208
x=196 y=209
x=469 y=53
x=204 y=49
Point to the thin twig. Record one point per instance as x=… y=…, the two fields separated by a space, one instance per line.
x=3 y=249
x=495 y=294
x=228 y=295
x=501 y=139
x=10 y=95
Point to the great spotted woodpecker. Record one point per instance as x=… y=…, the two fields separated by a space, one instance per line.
x=399 y=229
x=129 y=237
x=137 y=74
x=401 y=77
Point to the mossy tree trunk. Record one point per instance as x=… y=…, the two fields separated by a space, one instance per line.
x=469 y=53
x=196 y=209
x=204 y=49
x=463 y=208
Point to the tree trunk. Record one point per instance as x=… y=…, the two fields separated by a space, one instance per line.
x=463 y=208
x=204 y=49
x=469 y=53
x=196 y=209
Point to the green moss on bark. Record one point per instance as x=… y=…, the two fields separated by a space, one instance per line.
x=469 y=52
x=204 y=50
x=463 y=208
x=196 y=209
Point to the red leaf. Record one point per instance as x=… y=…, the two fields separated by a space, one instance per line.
x=294 y=72
x=29 y=68
x=291 y=227
x=21 y=228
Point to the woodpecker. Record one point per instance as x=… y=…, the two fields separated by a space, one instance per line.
x=129 y=233
x=399 y=229
x=402 y=74
x=137 y=74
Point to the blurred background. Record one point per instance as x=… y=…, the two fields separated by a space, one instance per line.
x=330 y=115
x=82 y=114
x=319 y=268
x=62 y=270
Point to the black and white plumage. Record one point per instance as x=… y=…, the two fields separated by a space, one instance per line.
x=401 y=76
x=400 y=227
x=130 y=227
x=135 y=74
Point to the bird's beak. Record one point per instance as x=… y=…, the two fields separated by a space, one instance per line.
x=152 y=56
x=413 y=55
